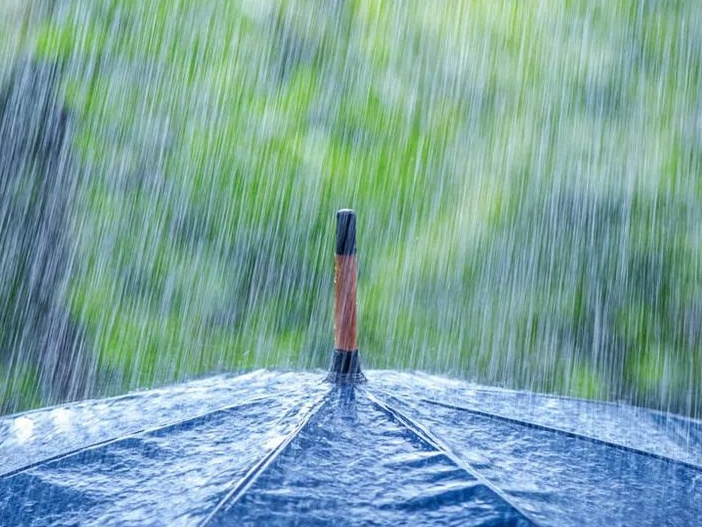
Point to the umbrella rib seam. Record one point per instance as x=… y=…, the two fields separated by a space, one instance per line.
x=571 y=434
x=264 y=463
x=131 y=434
x=425 y=435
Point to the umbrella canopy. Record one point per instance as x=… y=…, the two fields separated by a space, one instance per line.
x=285 y=448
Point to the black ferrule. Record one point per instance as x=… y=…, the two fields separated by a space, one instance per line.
x=345 y=232
x=346 y=367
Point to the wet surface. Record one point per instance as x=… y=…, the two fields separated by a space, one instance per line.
x=282 y=448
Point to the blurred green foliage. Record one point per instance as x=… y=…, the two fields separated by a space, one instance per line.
x=526 y=174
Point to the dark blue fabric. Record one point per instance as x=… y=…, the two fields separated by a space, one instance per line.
x=402 y=450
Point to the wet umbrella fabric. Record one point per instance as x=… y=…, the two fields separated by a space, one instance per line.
x=282 y=448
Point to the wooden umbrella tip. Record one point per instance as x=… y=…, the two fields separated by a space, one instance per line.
x=346 y=366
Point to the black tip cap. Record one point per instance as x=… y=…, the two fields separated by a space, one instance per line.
x=345 y=232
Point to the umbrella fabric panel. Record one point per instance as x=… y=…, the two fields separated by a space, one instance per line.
x=560 y=478
x=354 y=464
x=639 y=428
x=173 y=475
x=34 y=436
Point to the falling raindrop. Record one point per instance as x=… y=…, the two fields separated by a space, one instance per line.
x=526 y=177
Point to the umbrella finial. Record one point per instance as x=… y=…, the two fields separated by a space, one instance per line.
x=346 y=365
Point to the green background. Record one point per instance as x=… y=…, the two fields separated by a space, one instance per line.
x=526 y=177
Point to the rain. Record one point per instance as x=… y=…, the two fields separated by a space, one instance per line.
x=526 y=177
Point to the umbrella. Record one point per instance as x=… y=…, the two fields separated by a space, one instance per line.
x=380 y=448
x=285 y=448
